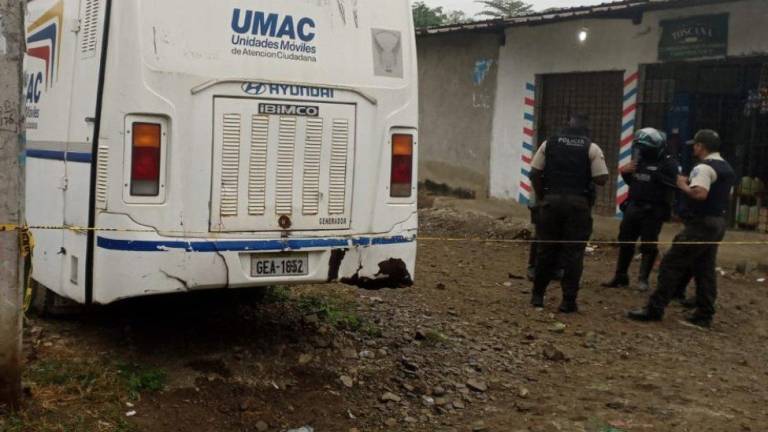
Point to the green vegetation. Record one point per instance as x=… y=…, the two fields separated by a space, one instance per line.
x=138 y=379
x=60 y=389
x=68 y=375
x=425 y=16
x=276 y=295
x=332 y=310
x=498 y=9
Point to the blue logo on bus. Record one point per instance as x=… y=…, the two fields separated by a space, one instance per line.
x=258 y=89
x=254 y=89
x=274 y=25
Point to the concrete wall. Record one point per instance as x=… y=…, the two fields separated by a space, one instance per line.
x=457 y=88
x=613 y=45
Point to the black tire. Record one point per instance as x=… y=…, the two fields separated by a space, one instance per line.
x=47 y=304
x=253 y=296
x=38 y=300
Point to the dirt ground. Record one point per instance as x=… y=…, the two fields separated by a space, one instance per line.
x=460 y=351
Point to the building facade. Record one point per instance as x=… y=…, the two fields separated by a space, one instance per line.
x=678 y=65
x=458 y=79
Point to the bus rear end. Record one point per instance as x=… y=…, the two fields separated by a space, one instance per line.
x=253 y=143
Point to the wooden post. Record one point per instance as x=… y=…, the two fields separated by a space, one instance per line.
x=11 y=199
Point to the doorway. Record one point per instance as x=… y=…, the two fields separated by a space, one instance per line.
x=599 y=96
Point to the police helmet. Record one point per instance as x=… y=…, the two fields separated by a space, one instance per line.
x=650 y=142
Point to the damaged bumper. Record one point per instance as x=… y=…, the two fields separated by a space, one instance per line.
x=160 y=266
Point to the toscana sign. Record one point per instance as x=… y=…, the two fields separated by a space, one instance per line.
x=694 y=37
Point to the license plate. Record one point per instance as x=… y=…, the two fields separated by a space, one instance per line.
x=279 y=265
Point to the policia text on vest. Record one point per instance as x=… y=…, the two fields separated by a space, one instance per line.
x=564 y=172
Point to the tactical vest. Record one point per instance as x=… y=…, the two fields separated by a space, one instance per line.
x=719 y=198
x=647 y=188
x=568 y=170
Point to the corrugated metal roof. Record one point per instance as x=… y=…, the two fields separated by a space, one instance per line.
x=623 y=8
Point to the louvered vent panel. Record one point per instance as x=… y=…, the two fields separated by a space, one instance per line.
x=102 y=170
x=257 y=183
x=89 y=28
x=272 y=165
x=313 y=147
x=338 y=173
x=285 y=158
x=230 y=164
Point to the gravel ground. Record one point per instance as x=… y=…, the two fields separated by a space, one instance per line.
x=459 y=351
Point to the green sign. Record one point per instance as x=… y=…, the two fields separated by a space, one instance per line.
x=694 y=37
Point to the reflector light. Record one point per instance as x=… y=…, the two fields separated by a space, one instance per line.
x=401 y=183
x=145 y=159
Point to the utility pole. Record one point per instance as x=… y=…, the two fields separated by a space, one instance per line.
x=11 y=194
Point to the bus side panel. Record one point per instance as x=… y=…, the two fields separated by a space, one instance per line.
x=44 y=200
x=82 y=115
x=51 y=27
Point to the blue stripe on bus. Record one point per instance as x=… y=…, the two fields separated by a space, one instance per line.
x=60 y=155
x=530 y=87
x=79 y=157
x=244 y=245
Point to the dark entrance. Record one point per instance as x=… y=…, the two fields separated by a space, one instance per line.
x=730 y=97
x=598 y=95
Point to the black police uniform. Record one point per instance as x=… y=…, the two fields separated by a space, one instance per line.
x=705 y=223
x=651 y=193
x=565 y=214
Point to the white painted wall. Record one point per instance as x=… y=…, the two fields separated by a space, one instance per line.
x=613 y=45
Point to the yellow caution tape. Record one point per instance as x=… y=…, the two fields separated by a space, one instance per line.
x=27 y=248
x=27 y=229
x=27 y=243
x=592 y=242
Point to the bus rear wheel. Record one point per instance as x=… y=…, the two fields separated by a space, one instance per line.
x=47 y=304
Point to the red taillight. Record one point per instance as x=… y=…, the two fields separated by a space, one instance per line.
x=402 y=166
x=145 y=159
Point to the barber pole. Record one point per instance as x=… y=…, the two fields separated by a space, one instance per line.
x=529 y=106
x=627 y=133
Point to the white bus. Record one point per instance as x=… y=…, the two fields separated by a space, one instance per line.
x=188 y=145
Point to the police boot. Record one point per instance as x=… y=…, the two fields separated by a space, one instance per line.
x=569 y=305
x=680 y=295
x=621 y=278
x=537 y=297
x=646 y=314
x=699 y=320
x=531 y=273
x=646 y=266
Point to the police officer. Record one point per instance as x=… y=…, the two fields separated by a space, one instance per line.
x=563 y=171
x=534 y=249
x=707 y=195
x=652 y=180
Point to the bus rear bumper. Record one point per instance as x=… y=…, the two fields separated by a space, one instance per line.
x=130 y=268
